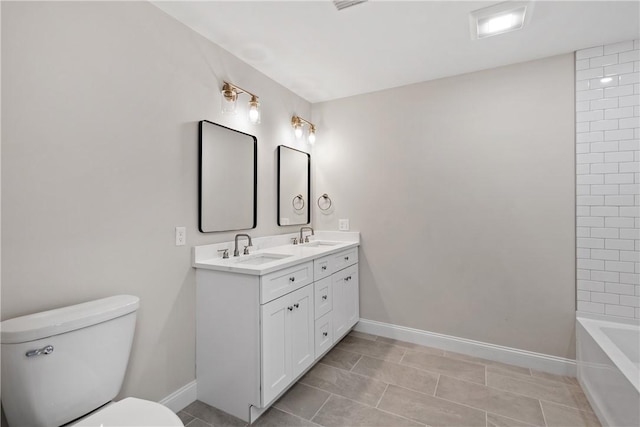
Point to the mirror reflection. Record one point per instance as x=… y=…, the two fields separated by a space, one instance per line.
x=228 y=165
x=294 y=186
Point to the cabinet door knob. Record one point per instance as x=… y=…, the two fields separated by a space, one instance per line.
x=324 y=297
x=346 y=279
x=290 y=308
x=296 y=305
x=323 y=268
x=292 y=279
x=324 y=334
x=346 y=258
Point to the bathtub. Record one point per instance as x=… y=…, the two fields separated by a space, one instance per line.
x=608 y=358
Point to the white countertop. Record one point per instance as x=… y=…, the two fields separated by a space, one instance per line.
x=207 y=256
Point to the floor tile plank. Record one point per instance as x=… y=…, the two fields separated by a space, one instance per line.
x=443 y=365
x=394 y=373
x=352 y=386
x=302 y=400
x=428 y=409
x=499 y=402
x=341 y=412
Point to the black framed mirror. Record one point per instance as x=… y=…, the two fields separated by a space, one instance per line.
x=227 y=178
x=294 y=186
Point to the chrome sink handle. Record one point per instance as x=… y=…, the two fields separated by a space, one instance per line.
x=44 y=350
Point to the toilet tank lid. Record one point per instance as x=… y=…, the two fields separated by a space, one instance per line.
x=54 y=322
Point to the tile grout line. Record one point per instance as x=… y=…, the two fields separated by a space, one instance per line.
x=196 y=418
x=510 y=418
x=472 y=407
x=542 y=410
x=567 y=406
x=357 y=361
x=485 y=375
x=527 y=396
x=381 y=396
x=297 y=416
x=321 y=406
x=543 y=382
x=368 y=406
x=537 y=398
x=397 y=415
x=435 y=390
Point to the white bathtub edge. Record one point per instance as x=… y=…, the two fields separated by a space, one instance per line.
x=607 y=318
x=513 y=356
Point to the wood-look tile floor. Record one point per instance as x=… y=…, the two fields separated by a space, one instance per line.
x=374 y=381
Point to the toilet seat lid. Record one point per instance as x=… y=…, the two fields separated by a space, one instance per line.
x=132 y=412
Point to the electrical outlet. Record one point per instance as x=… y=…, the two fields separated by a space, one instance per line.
x=343 y=224
x=181 y=236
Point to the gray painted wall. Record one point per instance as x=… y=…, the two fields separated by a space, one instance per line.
x=463 y=190
x=101 y=102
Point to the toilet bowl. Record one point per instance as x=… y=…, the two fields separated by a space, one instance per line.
x=67 y=365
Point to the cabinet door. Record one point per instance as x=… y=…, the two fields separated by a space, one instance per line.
x=302 y=330
x=276 y=347
x=352 y=297
x=339 y=305
x=346 y=300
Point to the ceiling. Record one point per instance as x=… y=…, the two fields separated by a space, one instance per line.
x=321 y=53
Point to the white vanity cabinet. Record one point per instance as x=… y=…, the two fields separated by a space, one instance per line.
x=288 y=345
x=256 y=334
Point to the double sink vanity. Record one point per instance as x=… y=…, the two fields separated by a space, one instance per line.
x=264 y=318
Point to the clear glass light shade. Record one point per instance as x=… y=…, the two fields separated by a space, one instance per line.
x=254 y=110
x=229 y=98
x=298 y=132
x=312 y=136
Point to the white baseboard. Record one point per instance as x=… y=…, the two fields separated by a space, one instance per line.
x=512 y=356
x=181 y=398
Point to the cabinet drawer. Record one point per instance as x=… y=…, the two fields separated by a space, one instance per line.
x=324 y=334
x=322 y=267
x=281 y=282
x=326 y=266
x=323 y=297
x=344 y=259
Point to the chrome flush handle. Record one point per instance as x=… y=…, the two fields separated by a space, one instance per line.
x=44 y=350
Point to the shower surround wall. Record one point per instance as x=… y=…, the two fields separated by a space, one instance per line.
x=608 y=179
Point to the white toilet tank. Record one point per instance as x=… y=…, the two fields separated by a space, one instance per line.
x=61 y=364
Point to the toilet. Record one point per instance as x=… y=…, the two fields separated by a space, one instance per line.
x=67 y=365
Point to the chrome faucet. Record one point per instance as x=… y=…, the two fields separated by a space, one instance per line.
x=306 y=238
x=236 y=252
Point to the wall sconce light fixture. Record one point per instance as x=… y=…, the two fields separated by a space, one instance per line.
x=298 y=123
x=230 y=94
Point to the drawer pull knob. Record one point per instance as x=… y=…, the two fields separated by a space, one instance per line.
x=346 y=279
x=296 y=305
x=324 y=334
x=324 y=297
x=346 y=258
x=292 y=279
x=323 y=268
x=290 y=308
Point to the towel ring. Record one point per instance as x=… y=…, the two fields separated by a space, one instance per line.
x=326 y=198
x=298 y=202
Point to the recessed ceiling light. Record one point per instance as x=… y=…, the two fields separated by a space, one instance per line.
x=499 y=19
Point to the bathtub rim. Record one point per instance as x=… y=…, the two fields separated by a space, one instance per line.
x=593 y=325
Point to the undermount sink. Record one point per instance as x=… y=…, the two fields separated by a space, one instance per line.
x=258 y=259
x=316 y=243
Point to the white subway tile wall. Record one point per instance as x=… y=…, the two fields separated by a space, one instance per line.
x=608 y=179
